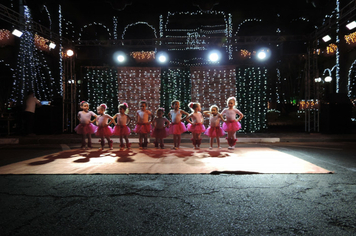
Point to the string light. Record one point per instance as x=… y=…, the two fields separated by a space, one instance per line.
x=351 y=38
x=251 y=84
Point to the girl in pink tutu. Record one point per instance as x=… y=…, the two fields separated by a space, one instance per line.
x=143 y=126
x=177 y=127
x=121 y=128
x=214 y=130
x=160 y=125
x=85 y=128
x=104 y=131
x=195 y=123
x=231 y=124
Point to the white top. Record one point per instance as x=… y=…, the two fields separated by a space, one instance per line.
x=121 y=119
x=230 y=114
x=103 y=120
x=176 y=116
x=214 y=120
x=143 y=116
x=197 y=118
x=159 y=123
x=31 y=103
x=85 y=117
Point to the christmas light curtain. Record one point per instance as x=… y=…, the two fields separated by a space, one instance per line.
x=101 y=86
x=175 y=85
x=213 y=85
x=251 y=85
x=136 y=84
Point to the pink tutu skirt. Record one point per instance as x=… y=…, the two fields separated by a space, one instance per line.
x=196 y=128
x=231 y=126
x=121 y=130
x=105 y=131
x=177 y=128
x=85 y=128
x=142 y=128
x=159 y=133
x=214 y=132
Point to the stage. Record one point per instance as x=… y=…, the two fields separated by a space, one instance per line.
x=241 y=160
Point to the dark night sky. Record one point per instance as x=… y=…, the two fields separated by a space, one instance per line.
x=129 y=11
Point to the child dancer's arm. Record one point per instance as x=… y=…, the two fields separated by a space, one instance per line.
x=167 y=123
x=154 y=122
x=240 y=116
x=92 y=121
x=113 y=119
x=187 y=118
x=129 y=120
x=221 y=117
x=206 y=113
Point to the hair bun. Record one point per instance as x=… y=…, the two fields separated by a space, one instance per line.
x=103 y=106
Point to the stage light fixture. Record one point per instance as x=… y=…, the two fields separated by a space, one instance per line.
x=351 y=25
x=70 y=52
x=326 y=38
x=51 y=45
x=214 y=56
x=263 y=54
x=162 y=57
x=17 y=33
x=328 y=79
x=119 y=57
x=317 y=80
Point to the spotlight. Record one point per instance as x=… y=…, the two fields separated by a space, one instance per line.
x=351 y=25
x=326 y=38
x=70 y=52
x=214 y=56
x=17 y=33
x=317 y=80
x=162 y=57
x=51 y=45
x=119 y=57
x=328 y=79
x=263 y=54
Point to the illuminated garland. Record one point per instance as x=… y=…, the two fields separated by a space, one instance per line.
x=143 y=55
x=331 y=49
x=175 y=85
x=351 y=38
x=213 y=85
x=32 y=72
x=351 y=83
x=4 y=34
x=101 y=87
x=93 y=24
x=251 y=87
x=138 y=23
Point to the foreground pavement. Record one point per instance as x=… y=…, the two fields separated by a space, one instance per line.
x=194 y=204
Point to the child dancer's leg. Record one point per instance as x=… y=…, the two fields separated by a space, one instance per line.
x=198 y=139
x=83 y=141
x=110 y=142
x=128 y=145
x=145 y=141
x=218 y=141
x=122 y=145
x=211 y=142
x=140 y=140
x=89 y=141
x=175 y=140
x=102 y=142
x=161 y=143
x=179 y=138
